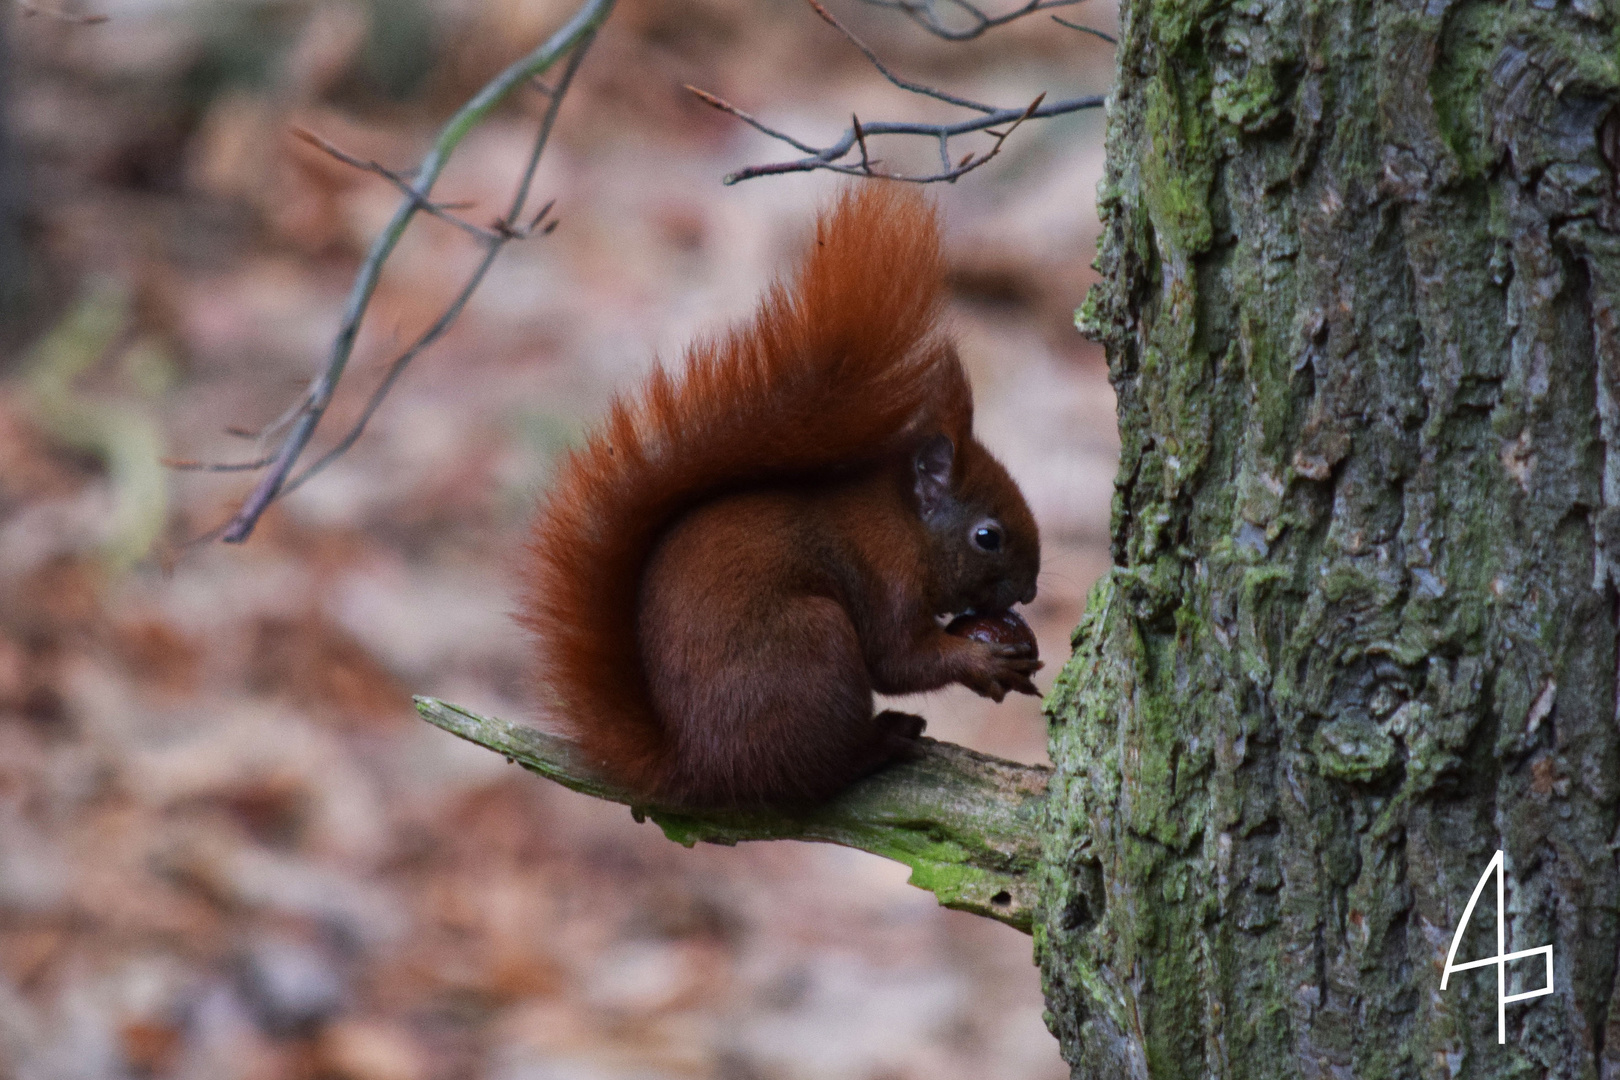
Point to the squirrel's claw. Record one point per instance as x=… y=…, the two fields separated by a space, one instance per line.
x=1002 y=669
x=1019 y=650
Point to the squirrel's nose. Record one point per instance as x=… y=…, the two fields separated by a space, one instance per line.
x=1029 y=597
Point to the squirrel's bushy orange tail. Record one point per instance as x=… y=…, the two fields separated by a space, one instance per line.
x=833 y=371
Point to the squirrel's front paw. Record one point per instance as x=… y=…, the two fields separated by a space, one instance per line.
x=996 y=669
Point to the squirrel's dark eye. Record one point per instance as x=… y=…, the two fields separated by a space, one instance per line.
x=987 y=537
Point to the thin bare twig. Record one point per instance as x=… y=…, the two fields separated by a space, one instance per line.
x=860 y=137
x=273 y=428
x=188 y=465
x=904 y=84
x=925 y=13
x=752 y=121
x=1092 y=30
x=304 y=416
x=831 y=157
x=438 y=210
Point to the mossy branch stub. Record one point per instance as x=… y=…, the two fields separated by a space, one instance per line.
x=966 y=823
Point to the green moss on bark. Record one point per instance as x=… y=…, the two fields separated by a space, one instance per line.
x=1360 y=268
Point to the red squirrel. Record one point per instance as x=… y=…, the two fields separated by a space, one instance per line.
x=731 y=565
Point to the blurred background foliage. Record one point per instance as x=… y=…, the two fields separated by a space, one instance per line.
x=227 y=848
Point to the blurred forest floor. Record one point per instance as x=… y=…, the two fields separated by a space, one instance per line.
x=228 y=848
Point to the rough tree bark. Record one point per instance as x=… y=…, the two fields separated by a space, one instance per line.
x=1361 y=273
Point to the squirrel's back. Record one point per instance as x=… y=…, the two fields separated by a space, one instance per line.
x=835 y=371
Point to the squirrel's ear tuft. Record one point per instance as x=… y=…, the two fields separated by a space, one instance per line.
x=934 y=474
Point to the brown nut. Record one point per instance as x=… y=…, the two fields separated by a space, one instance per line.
x=1001 y=628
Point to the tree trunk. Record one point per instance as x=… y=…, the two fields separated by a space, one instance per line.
x=1360 y=285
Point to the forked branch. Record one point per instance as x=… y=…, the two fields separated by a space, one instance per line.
x=996 y=121
x=296 y=426
x=966 y=823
